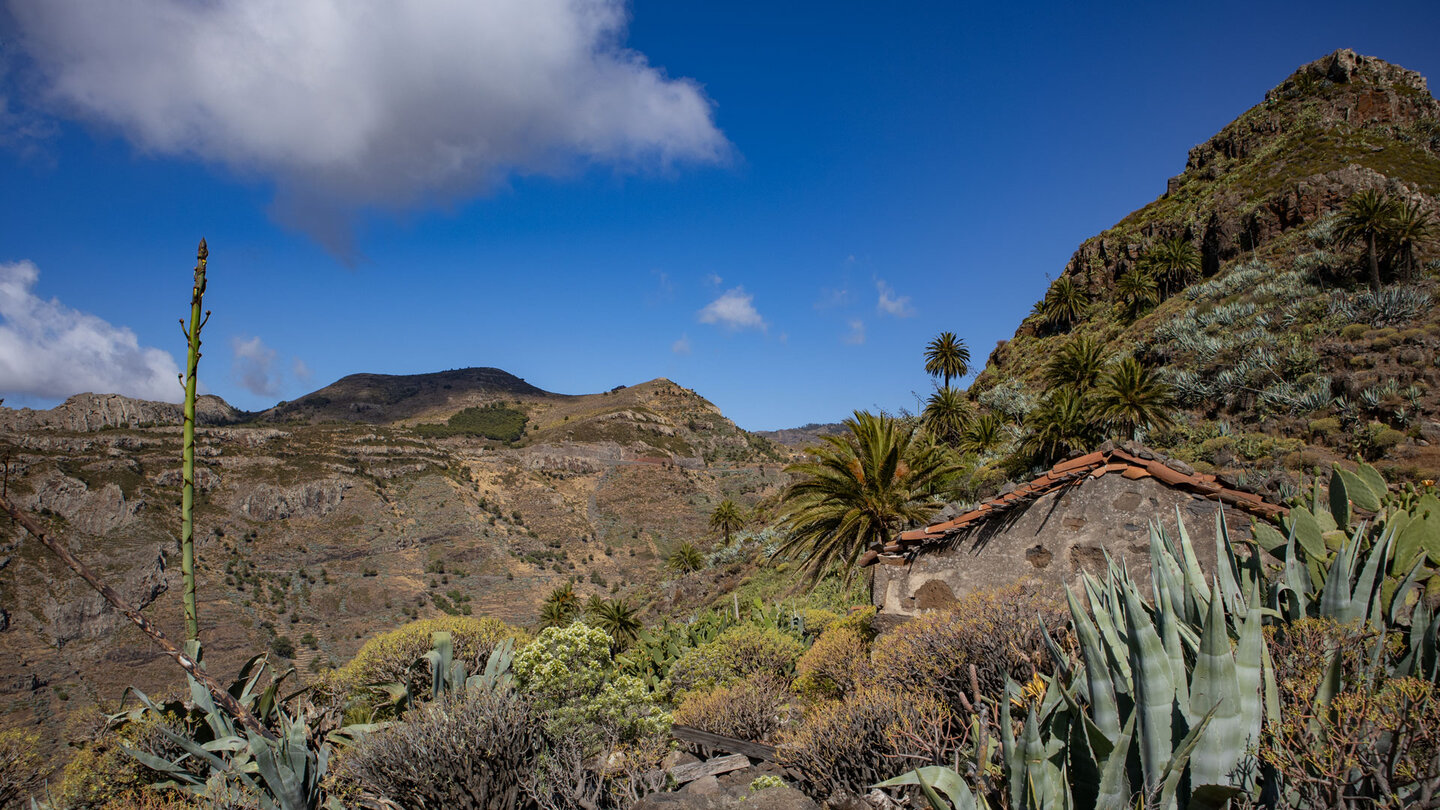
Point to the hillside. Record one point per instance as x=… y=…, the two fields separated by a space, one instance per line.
x=1280 y=355
x=316 y=529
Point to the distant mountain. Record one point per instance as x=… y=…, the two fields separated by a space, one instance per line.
x=384 y=398
x=804 y=436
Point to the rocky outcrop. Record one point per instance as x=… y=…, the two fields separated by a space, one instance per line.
x=91 y=511
x=84 y=614
x=311 y=499
x=88 y=412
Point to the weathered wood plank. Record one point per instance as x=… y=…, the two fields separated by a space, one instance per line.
x=710 y=767
x=722 y=743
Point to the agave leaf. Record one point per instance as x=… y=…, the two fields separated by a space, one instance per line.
x=1175 y=766
x=1336 y=601
x=1339 y=499
x=1372 y=576
x=939 y=778
x=1228 y=568
x=1098 y=677
x=1329 y=688
x=1249 y=674
x=1154 y=689
x=1009 y=751
x=1168 y=627
x=1114 y=785
x=1216 y=691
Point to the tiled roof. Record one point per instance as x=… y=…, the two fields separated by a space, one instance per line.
x=1134 y=462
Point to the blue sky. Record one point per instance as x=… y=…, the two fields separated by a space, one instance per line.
x=776 y=204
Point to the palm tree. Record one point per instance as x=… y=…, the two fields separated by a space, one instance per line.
x=860 y=489
x=1367 y=216
x=984 y=435
x=947 y=356
x=618 y=618
x=1174 y=261
x=1131 y=397
x=1062 y=424
x=1063 y=305
x=1410 y=227
x=1078 y=365
x=1137 y=288
x=727 y=518
x=684 y=558
x=561 y=606
x=945 y=415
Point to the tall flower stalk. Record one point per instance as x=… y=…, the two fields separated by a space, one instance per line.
x=187 y=497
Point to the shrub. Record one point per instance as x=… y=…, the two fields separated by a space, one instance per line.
x=21 y=767
x=816 y=620
x=100 y=774
x=872 y=735
x=998 y=630
x=389 y=657
x=1376 y=439
x=568 y=672
x=493 y=421
x=469 y=750
x=834 y=664
x=752 y=709
x=735 y=654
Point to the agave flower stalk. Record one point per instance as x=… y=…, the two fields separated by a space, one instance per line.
x=187 y=496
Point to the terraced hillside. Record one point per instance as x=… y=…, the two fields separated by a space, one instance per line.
x=315 y=530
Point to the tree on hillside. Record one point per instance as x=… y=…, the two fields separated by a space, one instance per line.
x=727 y=518
x=1063 y=423
x=561 y=607
x=1137 y=290
x=1063 y=305
x=859 y=490
x=947 y=356
x=684 y=558
x=946 y=414
x=1174 y=262
x=1366 y=218
x=617 y=617
x=1410 y=228
x=985 y=435
x=1078 y=364
x=1131 y=397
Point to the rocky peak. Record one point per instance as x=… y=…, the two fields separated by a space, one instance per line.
x=90 y=412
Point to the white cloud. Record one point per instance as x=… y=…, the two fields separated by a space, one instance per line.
x=347 y=105
x=254 y=367
x=891 y=304
x=681 y=346
x=52 y=351
x=302 y=372
x=856 y=336
x=714 y=280
x=733 y=310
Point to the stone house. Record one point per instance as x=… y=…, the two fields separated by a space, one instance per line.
x=1063 y=522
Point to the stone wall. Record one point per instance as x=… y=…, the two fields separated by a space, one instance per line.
x=1052 y=541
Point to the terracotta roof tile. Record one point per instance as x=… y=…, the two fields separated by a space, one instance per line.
x=1135 y=472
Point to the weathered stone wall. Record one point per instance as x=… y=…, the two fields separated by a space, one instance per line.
x=1052 y=541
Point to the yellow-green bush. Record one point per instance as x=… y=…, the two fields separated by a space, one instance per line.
x=835 y=664
x=388 y=657
x=816 y=620
x=752 y=709
x=870 y=736
x=100 y=774
x=735 y=654
x=998 y=630
x=21 y=766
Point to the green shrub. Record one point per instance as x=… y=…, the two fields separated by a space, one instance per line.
x=1325 y=430
x=1376 y=439
x=835 y=664
x=569 y=674
x=464 y=751
x=735 y=654
x=1354 y=331
x=752 y=709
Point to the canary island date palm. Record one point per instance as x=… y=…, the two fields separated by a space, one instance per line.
x=1410 y=228
x=561 y=607
x=1063 y=423
x=727 y=518
x=1063 y=305
x=1131 y=397
x=1368 y=217
x=946 y=414
x=947 y=357
x=684 y=558
x=1138 y=290
x=617 y=617
x=1078 y=364
x=984 y=435
x=859 y=489
x=1174 y=262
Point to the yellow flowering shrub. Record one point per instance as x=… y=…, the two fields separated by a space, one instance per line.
x=752 y=709
x=388 y=657
x=997 y=630
x=734 y=655
x=835 y=664
x=21 y=766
